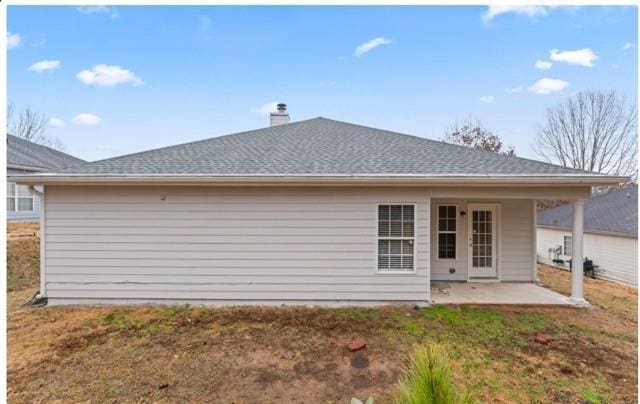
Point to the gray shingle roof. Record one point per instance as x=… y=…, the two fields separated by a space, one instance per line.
x=613 y=212
x=317 y=146
x=23 y=153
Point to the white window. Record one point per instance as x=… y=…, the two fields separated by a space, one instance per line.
x=568 y=246
x=19 y=199
x=447 y=231
x=11 y=197
x=396 y=237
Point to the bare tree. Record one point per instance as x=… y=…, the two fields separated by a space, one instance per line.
x=30 y=125
x=594 y=131
x=474 y=134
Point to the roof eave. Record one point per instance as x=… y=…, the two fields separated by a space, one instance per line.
x=302 y=179
x=26 y=167
x=590 y=231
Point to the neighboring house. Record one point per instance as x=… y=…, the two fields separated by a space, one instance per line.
x=24 y=157
x=310 y=212
x=610 y=240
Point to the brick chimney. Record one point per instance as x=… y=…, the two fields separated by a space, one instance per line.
x=281 y=117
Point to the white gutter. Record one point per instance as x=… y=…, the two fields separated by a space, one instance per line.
x=310 y=179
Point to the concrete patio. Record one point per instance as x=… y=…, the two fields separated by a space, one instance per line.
x=495 y=293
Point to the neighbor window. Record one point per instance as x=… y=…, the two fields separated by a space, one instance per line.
x=19 y=199
x=447 y=232
x=396 y=238
x=568 y=246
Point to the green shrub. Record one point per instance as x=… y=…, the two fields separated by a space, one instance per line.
x=428 y=379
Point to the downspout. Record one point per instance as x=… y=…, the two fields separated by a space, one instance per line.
x=42 y=292
x=34 y=191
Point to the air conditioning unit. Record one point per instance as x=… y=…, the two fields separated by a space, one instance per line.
x=556 y=251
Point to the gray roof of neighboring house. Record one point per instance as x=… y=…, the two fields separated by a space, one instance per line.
x=614 y=212
x=23 y=153
x=317 y=146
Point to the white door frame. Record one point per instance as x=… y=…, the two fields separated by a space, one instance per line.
x=497 y=241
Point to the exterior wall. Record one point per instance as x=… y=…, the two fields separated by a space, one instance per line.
x=24 y=216
x=226 y=245
x=616 y=256
x=515 y=245
x=517 y=256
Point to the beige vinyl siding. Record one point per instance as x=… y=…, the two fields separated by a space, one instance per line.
x=550 y=238
x=515 y=245
x=231 y=245
x=616 y=256
x=517 y=241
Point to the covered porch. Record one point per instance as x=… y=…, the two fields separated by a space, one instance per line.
x=483 y=246
x=496 y=293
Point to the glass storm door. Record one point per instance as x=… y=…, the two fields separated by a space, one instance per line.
x=482 y=241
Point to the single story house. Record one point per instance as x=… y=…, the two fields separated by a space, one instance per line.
x=310 y=212
x=24 y=157
x=610 y=239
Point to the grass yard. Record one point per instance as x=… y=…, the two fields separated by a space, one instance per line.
x=247 y=355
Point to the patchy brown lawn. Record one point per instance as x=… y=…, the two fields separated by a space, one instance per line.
x=245 y=355
x=616 y=298
x=23 y=230
x=23 y=256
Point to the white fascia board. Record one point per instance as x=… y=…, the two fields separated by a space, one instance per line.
x=307 y=179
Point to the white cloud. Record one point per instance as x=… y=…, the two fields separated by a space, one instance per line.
x=113 y=13
x=487 y=99
x=206 y=27
x=547 y=86
x=372 y=44
x=628 y=45
x=56 y=122
x=582 y=57
x=86 y=119
x=108 y=76
x=13 y=40
x=543 y=64
x=93 y=9
x=267 y=108
x=615 y=66
x=39 y=43
x=513 y=90
x=530 y=11
x=44 y=65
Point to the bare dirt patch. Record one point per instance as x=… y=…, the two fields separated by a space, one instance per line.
x=23 y=256
x=233 y=354
x=22 y=230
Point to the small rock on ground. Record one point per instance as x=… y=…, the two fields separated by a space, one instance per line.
x=356 y=345
x=542 y=339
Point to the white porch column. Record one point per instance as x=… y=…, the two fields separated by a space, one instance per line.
x=577 y=272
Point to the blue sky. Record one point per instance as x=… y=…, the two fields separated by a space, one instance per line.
x=122 y=79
